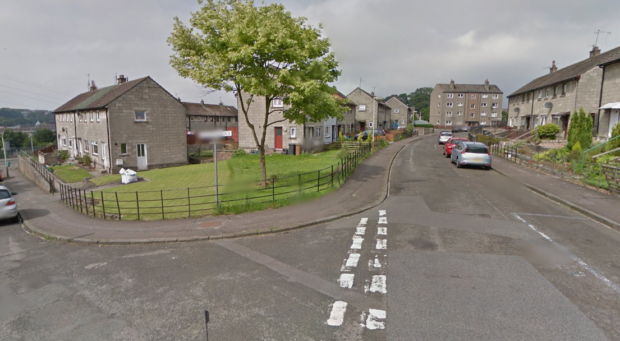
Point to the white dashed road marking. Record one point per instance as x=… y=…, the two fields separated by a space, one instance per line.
x=383 y=220
x=361 y=230
x=337 y=315
x=381 y=213
x=374 y=315
x=382 y=231
x=381 y=244
x=378 y=284
x=363 y=221
x=357 y=243
x=352 y=260
x=346 y=280
x=374 y=264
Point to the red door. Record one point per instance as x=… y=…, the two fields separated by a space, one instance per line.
x=278 y=138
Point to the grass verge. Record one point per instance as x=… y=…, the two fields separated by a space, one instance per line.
x=71 y=173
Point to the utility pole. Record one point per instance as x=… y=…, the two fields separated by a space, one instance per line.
x=598 y=32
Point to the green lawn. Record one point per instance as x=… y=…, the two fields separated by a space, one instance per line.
x=180 y=188
x=71 y=173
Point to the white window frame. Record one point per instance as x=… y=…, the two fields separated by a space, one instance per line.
x=98 y=120
x=473 y=106
x=483 y=123
x=564 y=88
x=70 y=142
x=292 y=132
x=473 y=96
x=448 y=123
x=448 y=113
x=135 y=117
x=495 y=105
x=362 y=107
x=450 y=95
x=396 y=110
x=439 y=96
x=449 y=105
x=461 y=96
x=86 y=149
x=459 y=113
x=95 y=147
x=547 y=91
x=484 y=113
x=495 y=96
x=472 y=115
x=484 y=105
x=317 y=131
x=493 y=114
x=485 y=95
x=460 y=104
x=64 y=141
x=437 y=121
x=70 y=117
x=277 y=103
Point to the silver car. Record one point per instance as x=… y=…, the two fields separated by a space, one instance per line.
x=444 y=136
x=467 y=153
x=8 y=205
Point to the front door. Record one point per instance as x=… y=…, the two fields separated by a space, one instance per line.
x=334 y=134
x=103 y=156
x=613 y=120
x=142 y=161
x=278 y=138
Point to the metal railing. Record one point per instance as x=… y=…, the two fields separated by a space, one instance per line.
x=200 y=201
x=41 y=169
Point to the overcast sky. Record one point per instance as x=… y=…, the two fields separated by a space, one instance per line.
x=48 y=48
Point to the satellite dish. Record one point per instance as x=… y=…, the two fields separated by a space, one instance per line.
x=548 y=105
x=517 y=109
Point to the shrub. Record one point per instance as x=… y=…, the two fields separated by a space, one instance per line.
x=64 y=155
x=615 y=132
x=548 y=131
x=86 y=160
x=488 y=140
x=383 y=143
x=575 y=153
x=424 y=126
x=580 y=130
x=239 y=152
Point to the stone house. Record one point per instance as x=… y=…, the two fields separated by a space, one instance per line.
x=348 y=124
x=132 y=124
x=201 y=116
x=552 y=98
x=459 y=105
x=402 y=114
x=370 y=111
x=610 y=98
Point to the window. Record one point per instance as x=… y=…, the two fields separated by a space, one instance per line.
x=318 y=131
x=448 y=123
x=64 y=141
x=556 y=89
x=86 y=146
x=494 y=105
x=527 y=97
x=71 y=118
x=439 y=96
x=461 y=95
x=539 y=94
x=97 y=116
x=92 y=116
x=362 y=107
x=460 y=113
x=460 y=104
x=80 y=116
x=277 y=103
x=473 y=96
x=437 y=121
x=293 y=132
x=493 y=114
x=473 y=106
x=70 y=142
x=449 y=105
x=217 y=119
x=450 y=95
x=495 y=96
x=483 y=113
x=564 y=88
x=483 y=122
x=95 y=148
x=485 y=95
x=547 y=93
x=448 y=113
x=472 y=114
x=140 y=116
x=123 y=148
x=396 y=111
x=484 y=105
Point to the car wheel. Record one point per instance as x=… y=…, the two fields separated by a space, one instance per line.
x=487 y=168
x=15 y=219
x=458 y=164
x=447 y=156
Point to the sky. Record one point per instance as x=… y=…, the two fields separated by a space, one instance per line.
x=49 y=49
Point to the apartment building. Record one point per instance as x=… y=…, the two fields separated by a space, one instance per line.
x=459 y=105
x=552 y=98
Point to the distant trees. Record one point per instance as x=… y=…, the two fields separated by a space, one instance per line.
x=12 y=117
x=43 y=136
x=420 y=99
x=580 y=130
x=16 y=139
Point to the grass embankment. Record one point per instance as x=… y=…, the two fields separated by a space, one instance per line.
x=71 y=173
x=185 y=188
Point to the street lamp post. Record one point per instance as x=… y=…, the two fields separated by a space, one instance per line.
x=4 y=149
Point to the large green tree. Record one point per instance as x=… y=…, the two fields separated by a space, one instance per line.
x=580 y=130
x=43 y=136
x=259 y=51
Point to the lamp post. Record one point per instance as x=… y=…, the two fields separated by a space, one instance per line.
x=4 y=149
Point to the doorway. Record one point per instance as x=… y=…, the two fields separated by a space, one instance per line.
x=103 y=156
x=278 y=138
x=142 y=159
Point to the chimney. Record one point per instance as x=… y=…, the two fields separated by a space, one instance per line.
x=486 y=84
x=595 y=51
x=202 y=102
x=553 y=68
x=452 y=84
x=121 y=79
x=93 y=87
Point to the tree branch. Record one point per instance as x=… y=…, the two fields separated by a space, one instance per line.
x=274 y=122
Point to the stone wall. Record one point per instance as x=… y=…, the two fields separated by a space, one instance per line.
x=31 y=173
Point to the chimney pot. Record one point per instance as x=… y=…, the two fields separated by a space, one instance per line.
x=553 y=67
x=202 y=102
x=122 y=79
x=93 y=87
x=595 y=51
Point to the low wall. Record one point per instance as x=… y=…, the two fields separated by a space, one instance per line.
x=48 y=183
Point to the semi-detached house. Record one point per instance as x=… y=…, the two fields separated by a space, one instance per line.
x=133 y=124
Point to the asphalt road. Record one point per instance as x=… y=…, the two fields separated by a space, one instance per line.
x=446 y=257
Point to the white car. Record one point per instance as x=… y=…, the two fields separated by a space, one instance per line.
x=8 y=206
x=444 y=136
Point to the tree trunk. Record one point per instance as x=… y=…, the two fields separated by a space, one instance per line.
x=263 y=167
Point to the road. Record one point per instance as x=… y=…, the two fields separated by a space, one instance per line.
x=452 y=254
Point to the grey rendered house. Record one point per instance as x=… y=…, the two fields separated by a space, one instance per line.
x=402 y=114
x=459 y=105
x=347 y=124
x=609 y=115
x=552 y=98
x=370 y=111
x=133 y=124
x=201 y=116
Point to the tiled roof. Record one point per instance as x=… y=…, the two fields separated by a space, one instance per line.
x=396 y=98
x=99 y=98
x=570 y=71
x=493 y=89
x=199 y=109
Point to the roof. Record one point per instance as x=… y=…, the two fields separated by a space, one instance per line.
x=570 y=72
x=99 y=98
x=469 y=88
x=396 y=98
x=199 y=109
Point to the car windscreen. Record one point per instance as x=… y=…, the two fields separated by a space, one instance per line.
x=446 y=134
x=4 y=194
x=477 y=149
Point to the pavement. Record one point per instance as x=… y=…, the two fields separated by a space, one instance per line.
x=45 y=215
x=594 y=204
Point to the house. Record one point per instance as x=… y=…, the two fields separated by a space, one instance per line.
x=459 y=105
x=133 y=124
x=553 y=97
x=402 y=114
x=201 y=117
x=610 y=98
x=370 y=111
x=347 y=124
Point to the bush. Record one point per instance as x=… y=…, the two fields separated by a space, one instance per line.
x=64 y=155
x=548 y=131
x=86 y=160
x=488 y=140
x=239 y=152
x=424 y=126
x=383 y=143
x=580 y=130
x=575 y=153
x=615 y=132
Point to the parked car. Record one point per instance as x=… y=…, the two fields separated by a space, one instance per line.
x=447 y=147
x=8 y=205
x=444 y=136
x=459 y=129
x=466 y=153
x=365 y=134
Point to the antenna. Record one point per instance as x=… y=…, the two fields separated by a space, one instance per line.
x=598 y=32
x=361 y=80
x=88 y=84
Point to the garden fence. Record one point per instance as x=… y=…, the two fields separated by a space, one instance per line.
x=200 y=201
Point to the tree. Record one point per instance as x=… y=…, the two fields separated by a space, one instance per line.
x=43 y=136
x=580 y=130
x=421 y=100
x=16 y=139
x=261 y=51
x=504 y=115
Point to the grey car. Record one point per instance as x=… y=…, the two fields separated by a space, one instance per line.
x=8 y=205
x=467 y=153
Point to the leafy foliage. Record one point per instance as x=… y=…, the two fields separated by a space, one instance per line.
x=16 y=139
x=580 y=130
x=504 y=115
x=615 y=132
x=548 y=131
x=43 y=136
x=12 y=117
